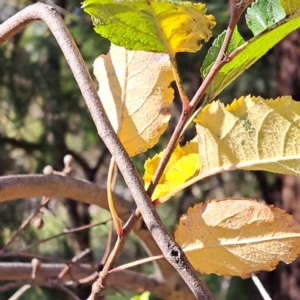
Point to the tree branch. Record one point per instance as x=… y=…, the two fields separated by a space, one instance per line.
x=59 y=186
x=171 y=250
x=128 y=280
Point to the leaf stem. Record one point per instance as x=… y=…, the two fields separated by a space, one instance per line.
x=236 y=9
x=111 y=205
x=183 y=96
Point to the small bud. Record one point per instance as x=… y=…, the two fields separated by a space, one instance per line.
x=48 y=170
x=68 y=159
x=38 y=223
x=35 y=263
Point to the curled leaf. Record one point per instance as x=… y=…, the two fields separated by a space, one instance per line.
x=237 y=237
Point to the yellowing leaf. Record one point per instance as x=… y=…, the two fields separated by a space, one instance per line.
x=252 y=134
x=237 y=237
x=290 y=6
x=143 y=296
x=152 y=25
x=184 y=27
x=136 y=94
x=183 y=164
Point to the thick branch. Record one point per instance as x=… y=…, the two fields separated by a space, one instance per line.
x=128 y=280
x=171 y=250
x=58 y=186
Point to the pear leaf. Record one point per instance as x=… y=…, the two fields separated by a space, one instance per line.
x=251 y=134
x=290 y=6
x=153 y=25
x=263 y=14
x=237 y=237
x=246 y=55
x=139 y=112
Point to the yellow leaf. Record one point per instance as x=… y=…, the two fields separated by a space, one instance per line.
x=136 y=95
x=290 y=6
x=143 y=296
x=237 y=237
x=252 y=134
x=183 y=164
x=152 y=25
x=184 y=27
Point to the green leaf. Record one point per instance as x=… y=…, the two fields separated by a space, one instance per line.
x=251 y=134
x=236 y=41
x=290 y=6
x=263 y=14
x=247 y=54
x=155 y=26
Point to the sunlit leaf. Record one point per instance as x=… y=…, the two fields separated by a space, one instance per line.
x=290 y=6
x=251 y=133
x=237 y=237
x=213 y=52
x=247 y=54
x=144 y=296
x=263 y=14
x=156 y=26
x=183 y=164
x=136 y=94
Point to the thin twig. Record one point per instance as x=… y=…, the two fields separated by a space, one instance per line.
x=110 y=185
x=25 y=223
x=20 y=292
x=12 y=285
x=74 y=259
x=108 y=244
x=66 y=290
x=260 y=287
x=64 y=232
x=236 y=9
x=136 y=263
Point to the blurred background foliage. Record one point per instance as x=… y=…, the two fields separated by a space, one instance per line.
x=43 y=117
